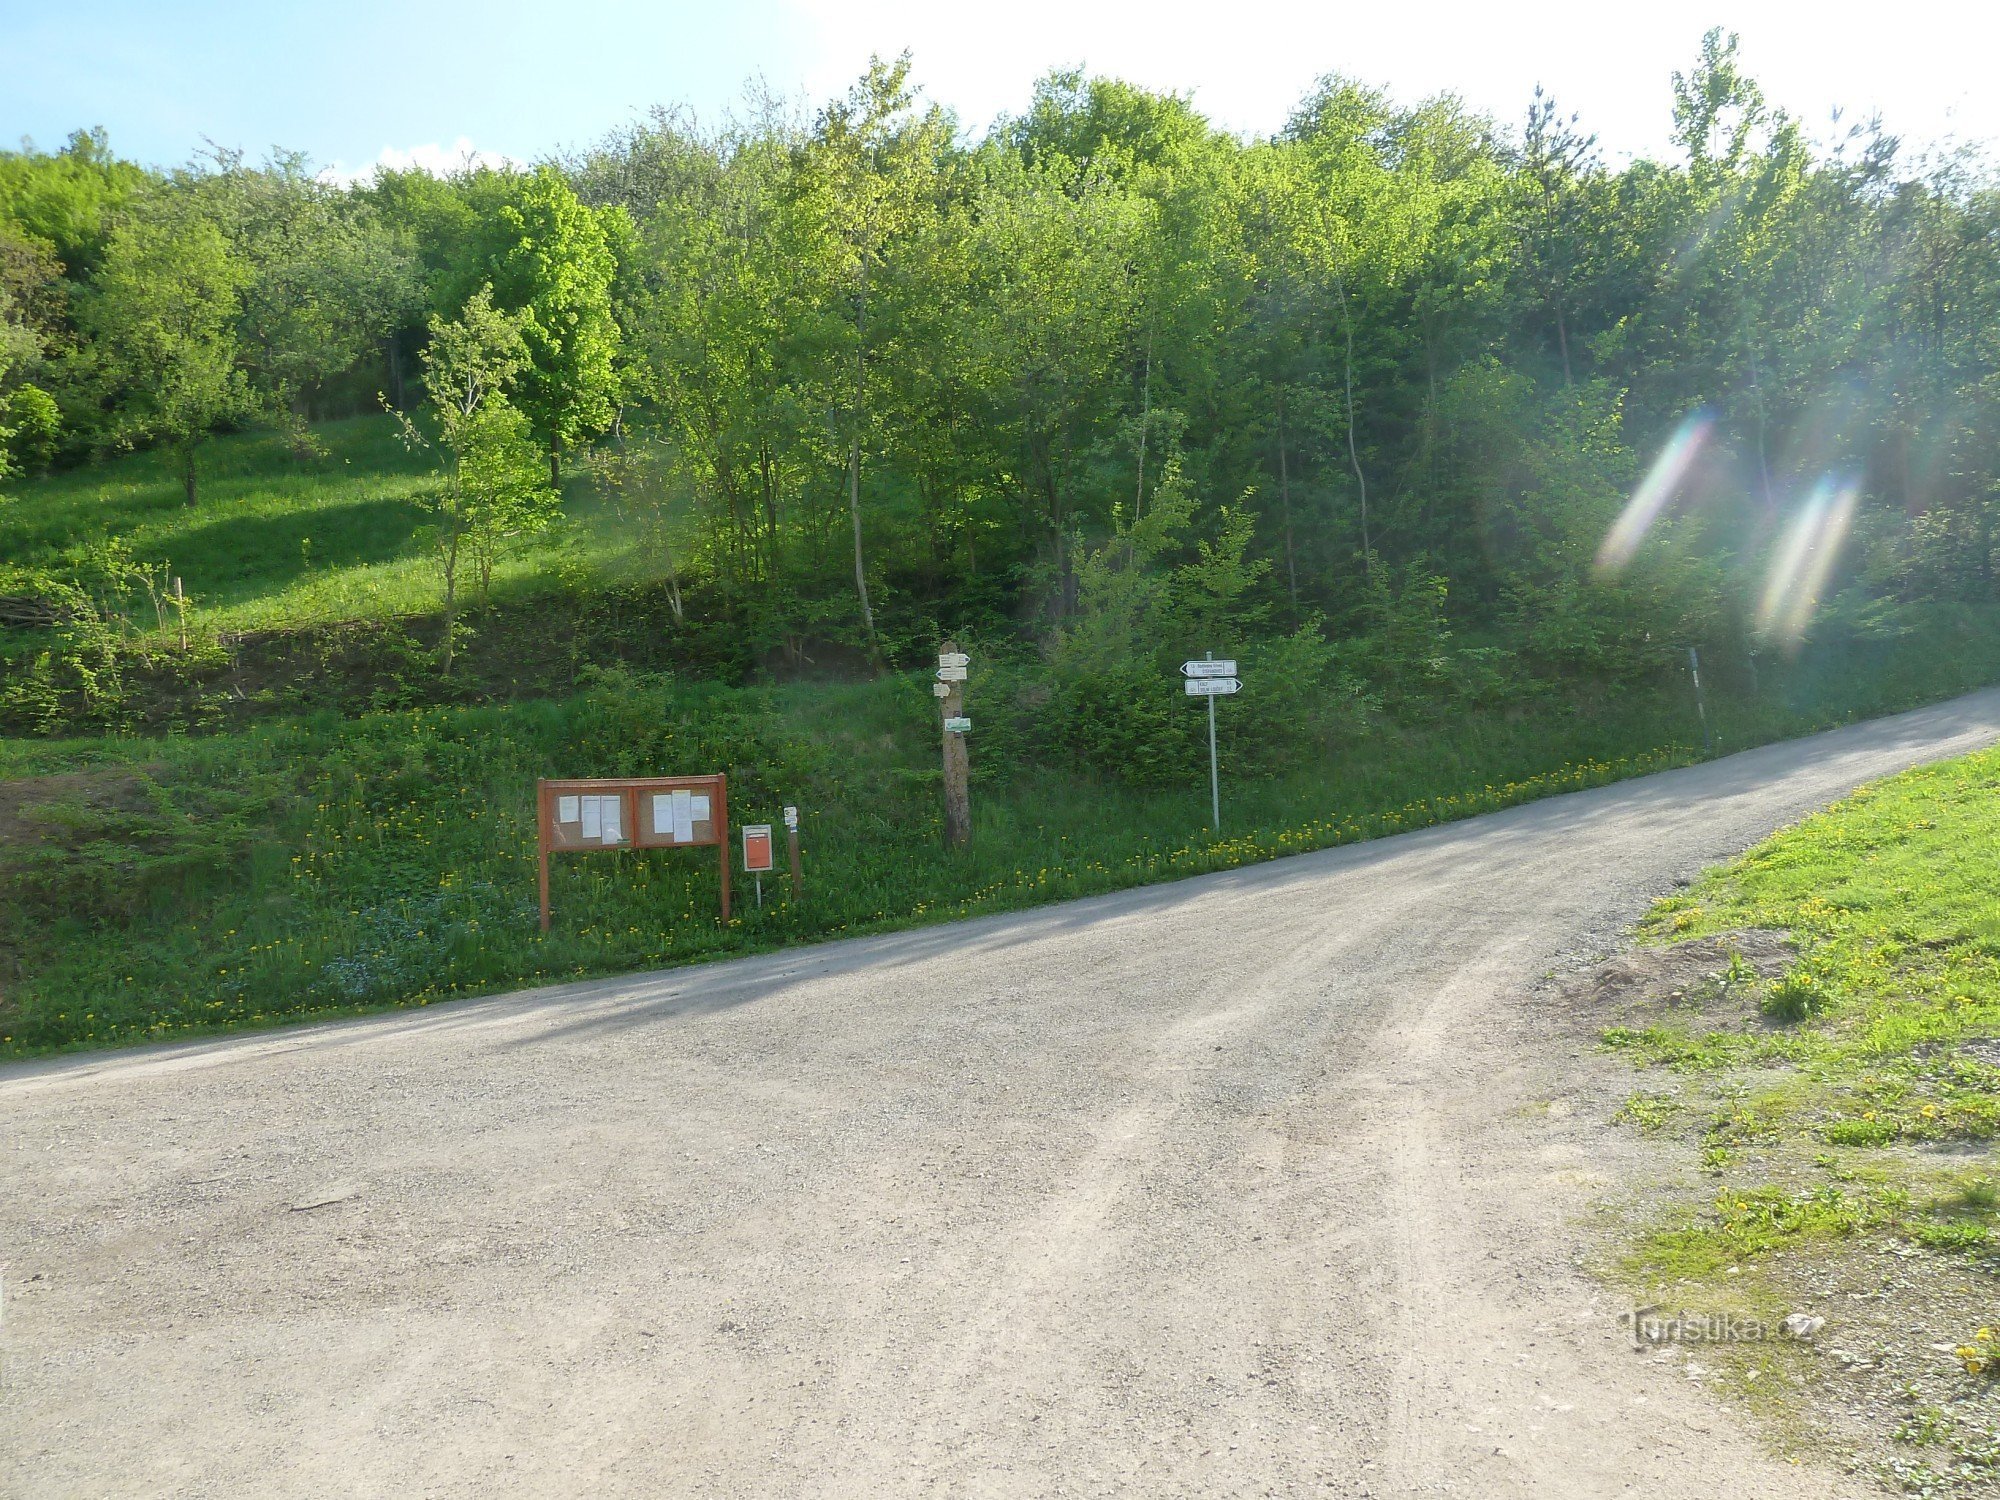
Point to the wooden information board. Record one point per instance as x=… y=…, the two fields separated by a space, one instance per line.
x=631 y=812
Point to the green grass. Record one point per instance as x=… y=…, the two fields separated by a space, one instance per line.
x=276 y=541
x=334 y=863
x=1853 y=1122
x=1894 y=896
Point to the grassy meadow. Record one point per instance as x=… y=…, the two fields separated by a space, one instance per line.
x=276 y=541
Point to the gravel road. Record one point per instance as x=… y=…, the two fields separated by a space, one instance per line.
x=1257 y=1184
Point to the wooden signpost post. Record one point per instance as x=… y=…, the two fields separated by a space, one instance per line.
x=642 y=812
x=792 y=846
x=950 y=690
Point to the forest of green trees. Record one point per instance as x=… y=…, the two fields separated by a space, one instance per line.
x=1102 y=377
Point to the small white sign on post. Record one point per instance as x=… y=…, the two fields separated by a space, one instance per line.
x=940 y=690
x=1212 y=687
x=960 y=725
x=951 y=674
x=1208 y=668
x=953 y=659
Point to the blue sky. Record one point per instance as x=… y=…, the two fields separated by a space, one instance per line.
x=347 y=83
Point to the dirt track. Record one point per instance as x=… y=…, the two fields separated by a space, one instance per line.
x=1233 y=1187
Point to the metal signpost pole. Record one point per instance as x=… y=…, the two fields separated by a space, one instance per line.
x=1214 y=777
x=1700 y=702
x=1211 y=679
x=792 y=843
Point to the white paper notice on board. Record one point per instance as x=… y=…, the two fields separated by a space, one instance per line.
x=566 y=809
x=683 y=817
x=592 y=826
x=698 y=806
x=610 y=818
x=663 y=813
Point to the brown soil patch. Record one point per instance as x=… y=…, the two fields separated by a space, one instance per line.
x=1685 y=981
x=22 y=801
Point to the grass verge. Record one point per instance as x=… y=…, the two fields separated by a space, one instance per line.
x=1843 y=1099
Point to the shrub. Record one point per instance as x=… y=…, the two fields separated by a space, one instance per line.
x=1797 y=997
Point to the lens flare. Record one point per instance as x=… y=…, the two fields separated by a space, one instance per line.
x=1654 y=492
x=1805 y=559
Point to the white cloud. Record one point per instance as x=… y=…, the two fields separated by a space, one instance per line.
x=440 y=161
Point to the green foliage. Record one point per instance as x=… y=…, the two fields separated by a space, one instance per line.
x=552 y=265
x=68 y=199
x=30 y=426
x=871 y=362
x=162 y=319
x=324 y=279
x=495 y=491
x=84 y=860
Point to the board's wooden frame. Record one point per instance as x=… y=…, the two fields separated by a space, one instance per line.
x=630 y=790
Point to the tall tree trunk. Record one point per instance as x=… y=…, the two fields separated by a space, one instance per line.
x=1353 y=450
x=1285 y=502
x=450 y=603
x=768 y=482
x=854 y=453
x=854 y=513
x=1145 y=423
x=555 y=461
x=1763 y=436
x=1562 y=343
x=188 y=476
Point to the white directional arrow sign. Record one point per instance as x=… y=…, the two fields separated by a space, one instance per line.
x=1212 y=687
x=1208 y=669
x=951 y=674
x=953 y=659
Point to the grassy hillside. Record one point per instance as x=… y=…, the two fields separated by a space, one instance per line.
x=1846 y=1107
x=277 y=541
x=299 y=815
x=182 y=884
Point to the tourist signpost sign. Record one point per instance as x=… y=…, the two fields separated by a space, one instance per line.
x=950 y=691
x=792 y=848
x=632 y=812
x=1211 y=679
